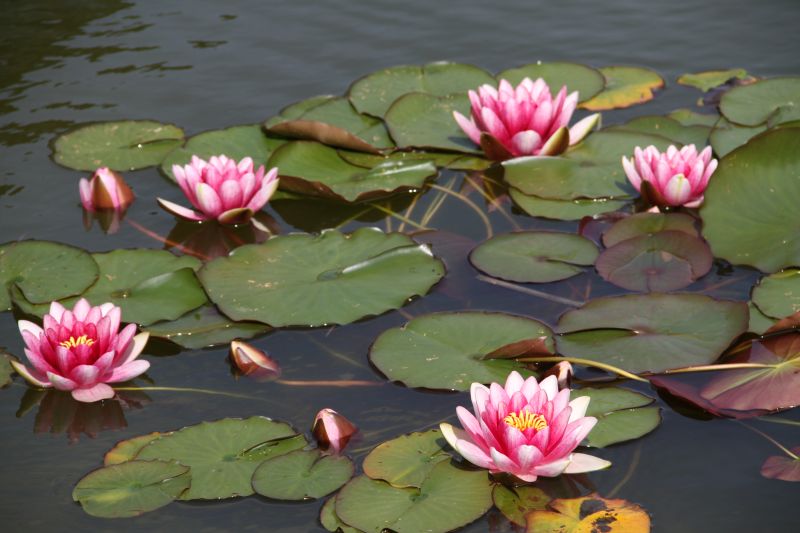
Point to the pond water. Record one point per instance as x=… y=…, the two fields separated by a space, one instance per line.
x=207 y=65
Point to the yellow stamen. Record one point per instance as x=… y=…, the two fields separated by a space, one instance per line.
x=526 y=420
x=74 y=343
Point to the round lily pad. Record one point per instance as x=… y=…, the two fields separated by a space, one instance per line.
x=726 y=136
x=44 y=271
x=669 y=128
x=297 y=109
x=448 y=498
x=589 y=514
x=586 y=80
x=203 y=327
x=219 y=453
x=517 y=501
x=776 y=100
x=707 y=80
x=237 y=143
x=653 y=332
x=126 y=450
x=125 y=145
x=420 y=120
x=663 y=261
x=621 y=415
x=332 y=278
x=132 y=488
x=374 y=93
x=645 y=223
x=447 y=350
x=564 y=209
x=690 y=117
x=762 y=210
x=407 y=460
x=534 y=256
x=778 y=295
x=625 y=86
x=301 y=475
x=316 y=169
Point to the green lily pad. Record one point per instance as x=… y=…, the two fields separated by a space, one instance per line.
x=446 y=350
x=298 y=109
x=217 y=453
x=301 y=475
x=707 y=80
x=125 y=145
x=690 y=117
x=126 y=450
x=336 y=122
x=534 y=256
x=564 y=209
x=652 y=332
x=759 y=322
x=662 y=262
x=620 y=413
x=332 y=278
x=775 y=295
x=203 y=327
x=516 y=502
x=625 y=86
x=407 y=460
x=586 y=80
x=374 y=93
x=763 y=211
x=669 y=128
x=440 y=159
x=6 y=370
x=726 y=136
x=237 y=143
x=132 y=488
x=331 y=522
x=316 y=169
x=44 y=271
x=448 y=499
x=645 y=223
x=776 y=100
x=420 y=120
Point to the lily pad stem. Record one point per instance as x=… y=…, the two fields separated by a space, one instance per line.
x=585 y=362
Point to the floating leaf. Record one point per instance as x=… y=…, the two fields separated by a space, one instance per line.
x=534 y=256
x=126 y=450
x=203 y=327
x=657 y=262
x=125 y=145
x=645 y=223
x=516 y=502
x=589 y=514
x=5 y=367
x=620 y=413
x=448 y=499
x=775 y=295
x=446 y=350
x=763 y=211
x=315 y=169
x=419 y=120
x=653 y=332
x=331 y=522
x=690 y=117
x=297 y=109
x=586 y=80
x=669 y=128
x=237 y=143
x=625 y=86
x=332 y=278
x=374 y=93
x=301 y=475
x=132 y=488
x=44 y=271
x=759 y=322
x=707 y=80
x=334 y=121
x=407 y=460
x=776 y=100
x=440 y=159
x=725 y=137
x=564 y=209
x=217 y=453
x=782 y=467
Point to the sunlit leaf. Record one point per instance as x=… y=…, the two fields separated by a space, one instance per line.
x=516 y=502
x=709 y=79
x=586 y=80
x=645 y=223
x=407 y=460
x=775 y=294
x=420 y=120
x=690 y=117
x=126 y=450
x=589 y=514
x=564 y=209
x=669 y=128
x=621 y=415
x=775 y=100
x=205 y=326
x=331 y=522
x=301 y=475
x=725 y=137
x=625 y=86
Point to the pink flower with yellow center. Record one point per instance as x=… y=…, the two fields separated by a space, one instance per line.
x=527 y=429
x=81 y=350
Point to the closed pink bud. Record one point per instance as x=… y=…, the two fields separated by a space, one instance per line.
x=332 y=430
x=105 y=190
x=254 y=363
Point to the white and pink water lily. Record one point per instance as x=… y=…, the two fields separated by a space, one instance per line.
x=672 y=178
x=82 y=350
x=332 y=431
x=222 y=189
x=524 y=120
x=525 y=428
x=106 y=190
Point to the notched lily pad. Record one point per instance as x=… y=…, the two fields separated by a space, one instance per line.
x=420 y=120
x=645 y=223
x=407 y=460
x=203 y=327
x=589 y=514
x=126 y=450
x=772 y=101
x=778 y=295
x=625 y=86
x=301 y=475
x=331 y=521
x=726 y=136
x=707 y=80
x=564 y=209
x=124 y=145
x=576 y=77
x=516 y=502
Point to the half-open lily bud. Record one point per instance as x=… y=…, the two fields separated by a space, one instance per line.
x=105 y=190
x=254 y=363
x=563 y=373
x=332 y=431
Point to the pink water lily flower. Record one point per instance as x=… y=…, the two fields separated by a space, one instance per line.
x=523 y=120
x=222 y=189
x=82 y=350
x=106 y=190
x=527 y=429
x=332 y=430
x=674 y=178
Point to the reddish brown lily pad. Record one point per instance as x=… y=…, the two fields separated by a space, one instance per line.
x=782 y=467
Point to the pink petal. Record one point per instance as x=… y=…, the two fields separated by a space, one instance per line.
x=84 y=375
x=85 y=189
x=230 y=194
x=29 y=327
x=135 y=348
x=98 y=392
x=581 y=462
x=630 y=171
x=23 y=371
x=60 y=382
x=677 y=190
x=469 y=127
x=209 y=202
x=459 y=440
x=180 y=211
x=128 y=371
x=552 y=469
x=579 y=406
x=581 y=129
x=266 y=191
x=550 y=386
x=502 y=462
x=526 y=143
x=494 y=125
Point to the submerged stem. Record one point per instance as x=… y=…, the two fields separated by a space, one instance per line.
x=191 y=389
x=164 y=240
x=472 y=205
x=492 y=201
x=528 y=290
x=773 y=441
x=709 y=368
x=399 y=217
x=330 y=383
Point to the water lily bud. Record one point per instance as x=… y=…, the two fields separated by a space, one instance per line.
x=254 y=363
x=563 y=373
x=105 y=190
x=332 y=430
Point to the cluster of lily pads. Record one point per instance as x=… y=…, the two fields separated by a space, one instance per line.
x=388 y=138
